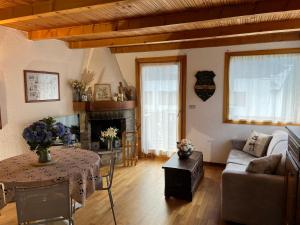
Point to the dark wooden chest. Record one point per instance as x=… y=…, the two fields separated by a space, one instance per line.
x=183 y=176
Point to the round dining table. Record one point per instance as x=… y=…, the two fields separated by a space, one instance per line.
x=80 y=167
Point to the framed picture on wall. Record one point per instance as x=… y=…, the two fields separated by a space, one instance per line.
x=102 y=92
x=41 y=86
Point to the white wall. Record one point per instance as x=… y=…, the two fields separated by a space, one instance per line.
x=204 y=123
x=17 y=54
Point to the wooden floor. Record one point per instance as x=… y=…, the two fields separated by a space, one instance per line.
x=139 y=200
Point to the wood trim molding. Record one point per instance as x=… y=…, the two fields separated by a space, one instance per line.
x=265 y=52
x=226 y=84
x=183 y=18
x=214 y=42
x=48 y=8
x=183 y=70
x=226 y=88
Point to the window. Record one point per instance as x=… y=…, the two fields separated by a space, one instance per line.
x=262 y=87
x=160 y=83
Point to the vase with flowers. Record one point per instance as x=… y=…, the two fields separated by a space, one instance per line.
x=42 y=134
x=80 y=88
x=108 y=136
x=185 y=148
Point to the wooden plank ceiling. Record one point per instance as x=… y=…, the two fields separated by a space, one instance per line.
x=149 y=25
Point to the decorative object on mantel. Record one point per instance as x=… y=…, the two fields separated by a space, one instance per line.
x=125 y=93
x=89 y=94
x=42 y=134
x=131 y=93
x=78 y=87
x=41 y=86
x=185 y=148
x=205 y=86
x=121 y=94
x=102 y=92
x=115 y=97
x=109 y=136
x=80 y=91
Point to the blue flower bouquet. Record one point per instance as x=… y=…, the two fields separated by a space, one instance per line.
x=41 y=135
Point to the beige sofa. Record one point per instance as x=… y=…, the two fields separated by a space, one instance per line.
x=254 y=199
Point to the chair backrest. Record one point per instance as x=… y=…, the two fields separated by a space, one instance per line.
x=43 y=202
x=111 y=170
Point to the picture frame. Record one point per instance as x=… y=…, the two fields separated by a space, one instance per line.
x=41 y=86
x=102 y=92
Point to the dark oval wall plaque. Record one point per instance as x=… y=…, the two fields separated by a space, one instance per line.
x=205 y=86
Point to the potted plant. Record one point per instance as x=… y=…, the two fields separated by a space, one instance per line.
x=41 y=135
x=185 y=148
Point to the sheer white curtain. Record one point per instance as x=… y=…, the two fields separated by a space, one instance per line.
x=265 y=88
x=159 y=106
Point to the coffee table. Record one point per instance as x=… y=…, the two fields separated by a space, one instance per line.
x=182 y=176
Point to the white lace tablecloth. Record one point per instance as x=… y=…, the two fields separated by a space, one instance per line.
x=80 y=167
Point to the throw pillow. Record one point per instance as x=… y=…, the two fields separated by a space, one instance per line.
x=267 y=164
x=257 y=144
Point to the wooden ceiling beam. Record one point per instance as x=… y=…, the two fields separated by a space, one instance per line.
x=193 y=16
x=48 y=8
x=265 y=27
x=214 y=42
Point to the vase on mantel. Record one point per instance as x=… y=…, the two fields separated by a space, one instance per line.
x=76 y=95
x=44 y=155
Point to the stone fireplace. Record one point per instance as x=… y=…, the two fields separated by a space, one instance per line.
x=95 y=122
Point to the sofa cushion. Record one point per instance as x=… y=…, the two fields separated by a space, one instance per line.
x=235 y=167
x=257 y=144
x=279 y=145
x=266 y=165
x=238 y=143
x=239 y=157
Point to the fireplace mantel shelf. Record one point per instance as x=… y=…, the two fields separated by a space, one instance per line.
x=100 y=106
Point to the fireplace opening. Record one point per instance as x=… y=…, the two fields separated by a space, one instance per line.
x=101 y=125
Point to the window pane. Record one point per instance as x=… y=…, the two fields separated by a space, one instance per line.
x=265 y=88
x=160 y=106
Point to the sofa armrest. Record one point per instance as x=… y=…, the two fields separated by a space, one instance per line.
x=252 y=198
x=238 y=144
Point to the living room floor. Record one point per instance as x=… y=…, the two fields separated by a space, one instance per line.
x=139 y=200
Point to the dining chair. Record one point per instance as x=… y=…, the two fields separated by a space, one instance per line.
x=2 y=197
x=107 y=180
x=43 y=204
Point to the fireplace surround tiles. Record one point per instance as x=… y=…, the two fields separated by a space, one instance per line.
x=95 y=122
